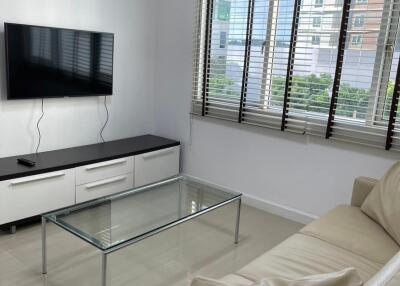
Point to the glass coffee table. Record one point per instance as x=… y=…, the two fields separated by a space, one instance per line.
x=115 y=222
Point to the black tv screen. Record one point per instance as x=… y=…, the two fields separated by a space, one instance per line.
x=44 y=62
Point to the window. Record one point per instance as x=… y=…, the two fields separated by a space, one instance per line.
x=337 y=81
x=222 y=40
x=316 y=22
x=318 y=3
x=359 y=21
x=356 y=40
x=315 y=40
x=224 y=10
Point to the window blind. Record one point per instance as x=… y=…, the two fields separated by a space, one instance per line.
x=391 y=103
x=327 y=68
x=311 y=75
x=224 y=69
x=356 y=113
x=269 y=56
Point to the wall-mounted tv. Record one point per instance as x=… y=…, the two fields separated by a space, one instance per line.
x=45 y=62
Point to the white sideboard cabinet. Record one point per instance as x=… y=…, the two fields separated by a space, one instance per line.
x=71 y=176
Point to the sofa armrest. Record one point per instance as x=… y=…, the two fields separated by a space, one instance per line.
x=389 y=275
x=361 y=189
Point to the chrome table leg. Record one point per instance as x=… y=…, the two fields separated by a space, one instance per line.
x=104 y=269
x=13 y=229
x=44 y=247
x=238 y=221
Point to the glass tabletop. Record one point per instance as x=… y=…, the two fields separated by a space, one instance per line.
x=114 y=220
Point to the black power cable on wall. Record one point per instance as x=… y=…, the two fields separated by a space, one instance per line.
x=105 y=124
x=42 y=115
x=38 y=127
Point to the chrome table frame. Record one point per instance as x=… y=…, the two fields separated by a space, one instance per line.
x=105 y=253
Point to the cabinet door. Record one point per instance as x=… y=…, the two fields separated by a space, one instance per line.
x=156 y=166
x=104 y=187
x=107 y=169
x=30 y=196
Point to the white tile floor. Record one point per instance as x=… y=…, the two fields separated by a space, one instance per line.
x=203 y=246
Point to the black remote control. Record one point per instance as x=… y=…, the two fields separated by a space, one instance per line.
x=26 y=162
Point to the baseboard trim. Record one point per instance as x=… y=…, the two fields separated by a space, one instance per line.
x=268 y=206
x=278 y=209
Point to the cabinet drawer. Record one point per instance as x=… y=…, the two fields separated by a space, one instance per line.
x=30 y=196
x=107 y=169
x=104 y=187
x=156 y=166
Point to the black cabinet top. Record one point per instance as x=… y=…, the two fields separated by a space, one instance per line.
x=78 y=156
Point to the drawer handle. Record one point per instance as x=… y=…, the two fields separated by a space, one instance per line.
x=106 y=164
x=37 y=178
x=158 y=154
x=105 y=182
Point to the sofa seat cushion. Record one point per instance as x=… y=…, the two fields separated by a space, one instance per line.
x=349 y=228
x=233 y=279
x=302 y=255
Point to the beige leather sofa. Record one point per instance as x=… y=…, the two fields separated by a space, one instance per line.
x=344 y=237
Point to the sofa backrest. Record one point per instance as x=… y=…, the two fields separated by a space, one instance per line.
x=361 y=189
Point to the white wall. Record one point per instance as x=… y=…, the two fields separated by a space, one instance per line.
x=306 y=175
x=152 y=91
x=71 y=122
